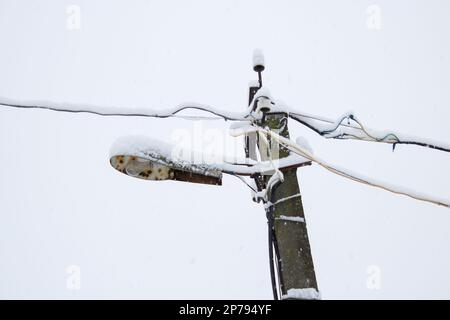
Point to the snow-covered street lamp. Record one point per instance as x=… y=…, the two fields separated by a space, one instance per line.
x=147 y=159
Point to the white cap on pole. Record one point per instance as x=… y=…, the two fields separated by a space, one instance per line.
x=258 y=60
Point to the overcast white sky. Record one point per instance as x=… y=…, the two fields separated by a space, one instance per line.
x=61 y=204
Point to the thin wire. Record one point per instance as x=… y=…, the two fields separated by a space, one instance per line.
x=243 y=180
x=271 y=258
x=327 y=133
x=278 y=264
x=298 y=114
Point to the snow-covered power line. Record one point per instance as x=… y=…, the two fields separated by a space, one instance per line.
x=125 y=112
x=344 y=172
x=346 y=127
x=349 y=127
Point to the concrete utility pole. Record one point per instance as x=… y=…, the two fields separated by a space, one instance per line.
x=288 y=236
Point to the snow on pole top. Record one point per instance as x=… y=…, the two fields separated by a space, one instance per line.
x=258 y=60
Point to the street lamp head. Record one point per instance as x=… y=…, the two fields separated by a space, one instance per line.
x=141 y=168
x=144 y=168
x=149 y=160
